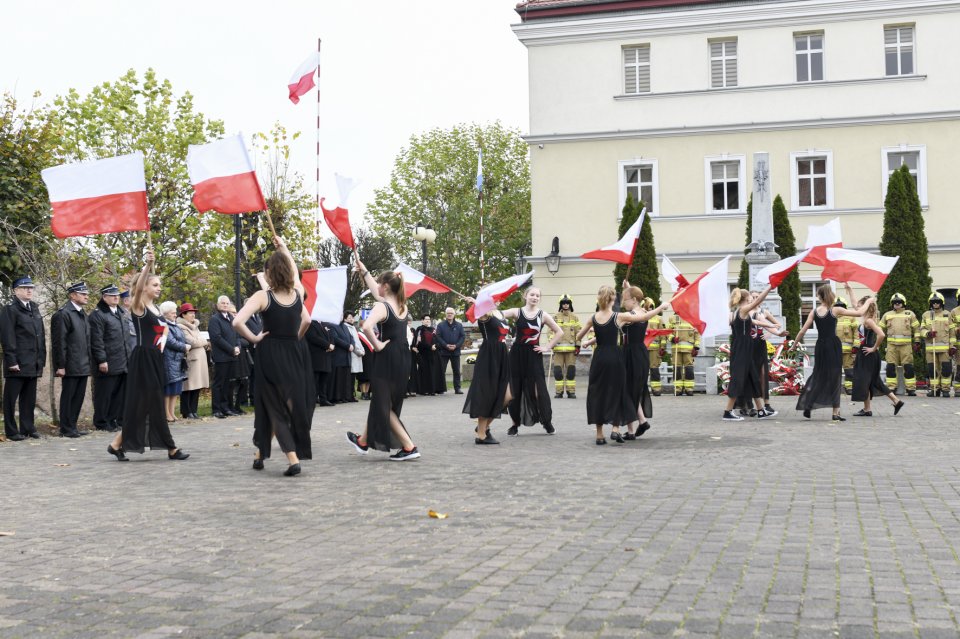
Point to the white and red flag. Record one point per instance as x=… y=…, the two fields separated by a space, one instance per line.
x=338 y=219
x=223 y=177
x=414 y=280
x=778 y=271
x=326 y=289
x=705 y=303
x=820 y=238
x=625 y=247
x=490 y=296
x=846 y=265
x=672 y=274
x=302 y=79
x=102 y=196
x=654 y=333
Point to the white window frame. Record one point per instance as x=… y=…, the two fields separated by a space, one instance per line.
x=795 y=179
x=723 y=59
x=708 y=182
x=653 y=207
x=624 y=66
x=808 y=55
x=921 y=150
x=898 y=48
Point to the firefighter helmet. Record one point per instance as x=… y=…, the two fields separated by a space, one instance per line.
x=935 y=298
x=840 y=302
x=898 y=297
x=565 y=300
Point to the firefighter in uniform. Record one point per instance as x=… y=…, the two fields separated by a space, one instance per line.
x=566 y=351
x=903 y=340
x=848 y=330
x=955 y=329
x=935 y=328
x=656 y=349
x=686 y=345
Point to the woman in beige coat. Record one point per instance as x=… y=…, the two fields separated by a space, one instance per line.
x=198 y=375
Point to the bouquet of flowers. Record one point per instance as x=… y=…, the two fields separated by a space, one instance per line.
x=786 y=368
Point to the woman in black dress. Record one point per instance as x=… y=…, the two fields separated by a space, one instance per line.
x=284 y=395
x=866 y=376
x=636 y=356
x=822 y=390
x=744 y=373
x=531 y=399
x=144 y=414
x=489 y=392
x=760 y=319
x=428 y=358
x=608 y=400
x=391 y=368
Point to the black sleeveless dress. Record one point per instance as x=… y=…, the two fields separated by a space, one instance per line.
x=491 y=372
x=866 y=371
x=822 y=390
x=744 y=375
x=608 y=401
x=388 y=382
x=283 y=395
x=144 y=415
x=531 y=399
x=761 y=366
x=637 y=363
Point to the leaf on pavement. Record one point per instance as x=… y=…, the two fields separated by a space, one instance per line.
x=434 y=514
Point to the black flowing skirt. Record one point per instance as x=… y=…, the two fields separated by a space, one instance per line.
x=388 y=384
x=531 y=399
x=608 y=400
x=822 y=390
x=144 y=414
x=637 y=365
x=431 y=375
x=866 y=378
x=284 y=397
x=491 y=378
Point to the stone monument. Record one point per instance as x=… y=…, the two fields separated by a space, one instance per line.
x=763 y=251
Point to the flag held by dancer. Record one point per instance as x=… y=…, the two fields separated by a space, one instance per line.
x=490 y=296
x=672 y=274
x=326 y=289
x=338 y=219
x=704 y=303
x=820 y=238
x=414 y=280
x=778 y=271
x=101 y=196
x=846 y=265
x=223 y=177
x=622 y=251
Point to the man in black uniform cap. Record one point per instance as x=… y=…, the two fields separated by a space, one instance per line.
x=110 y=351
x=70 y=344
x=24 y=355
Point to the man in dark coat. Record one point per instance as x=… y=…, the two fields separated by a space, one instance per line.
x=24 y=356
x=248 y=352
x=320 y=354
x=131 y=333
x=343 y=346
x=450 y=337
x=225 y=352
x=110 y=350
x=70 y=344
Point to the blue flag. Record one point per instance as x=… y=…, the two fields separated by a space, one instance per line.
x=480 y=173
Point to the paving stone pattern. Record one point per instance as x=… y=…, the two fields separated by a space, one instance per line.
x=777 y=528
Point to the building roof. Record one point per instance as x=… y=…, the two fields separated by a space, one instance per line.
x=542 y=9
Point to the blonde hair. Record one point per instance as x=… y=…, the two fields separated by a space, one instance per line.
x=736 y=295
x=605 y=296
x=636 y=293
x=826 y=295
x=871 y=310
x=394 y=283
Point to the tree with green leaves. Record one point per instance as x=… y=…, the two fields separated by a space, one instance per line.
x=789 y=289
x=643 y=270
x=904 y=235
x=433 y=183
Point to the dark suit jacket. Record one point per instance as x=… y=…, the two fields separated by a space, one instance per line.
x=223 y=338
x=108 y=340
x=23 y=340
x=319 y=341
x=70 y=341
x=342 y=339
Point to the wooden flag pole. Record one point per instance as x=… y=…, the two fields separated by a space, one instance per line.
x=270 y=223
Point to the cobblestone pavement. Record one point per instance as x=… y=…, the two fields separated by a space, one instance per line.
x=703 y=528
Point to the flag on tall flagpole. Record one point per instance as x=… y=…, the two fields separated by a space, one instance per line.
x=223 y=177
x=704 y=304
x=326 y=289
x=414 y=280
x=302 y=79
x=102 y=196
x=338 y=219
x=489 y=296
x=672 y=274
x=778 y=271
x=820 y=238
x=845 y=265
x=622 y=251
x=479 y=183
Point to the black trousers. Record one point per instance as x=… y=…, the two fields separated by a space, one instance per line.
x=455 y=363
x=239 y=392
x=220 y=389
x=320 y=379
x=108 y=394
x=189 y=400
x=72 y=390
x=22 y=391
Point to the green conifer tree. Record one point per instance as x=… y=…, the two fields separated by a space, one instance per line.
x=743 y=281
x=789 y=289
x=644 y=271
x=903 y=235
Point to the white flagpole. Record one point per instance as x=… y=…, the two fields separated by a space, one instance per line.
x=318 y=214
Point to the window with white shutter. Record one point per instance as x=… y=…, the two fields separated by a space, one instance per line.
x=636 y=69
x=723 y=63
x=898 y=45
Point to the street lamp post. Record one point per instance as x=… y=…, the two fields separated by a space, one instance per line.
x=425 y=235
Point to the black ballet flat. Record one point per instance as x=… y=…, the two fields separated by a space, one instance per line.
x=629 y=437
x=837 y=418
x=292 y=469
x=117 y=452
x=806 y=413
x=642 y=428
x=615 y=436
x=862 y=413
x=179 y=455
x=258 y=464
x=897 y=407
x=601 y=441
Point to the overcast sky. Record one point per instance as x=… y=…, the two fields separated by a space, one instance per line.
x=390 y=68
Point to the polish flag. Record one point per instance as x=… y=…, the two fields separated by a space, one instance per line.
x=625 y=247
x=673 y=275
x=489 y=296
x=654 y=333
x=845 y=265
x=414 y=280
x=223 y=177
x=102 y=196
x=302 y=79
x=705 y=303
x=778 y=271
x=820 y=238
x=326 y=289
x=338 y=219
